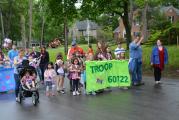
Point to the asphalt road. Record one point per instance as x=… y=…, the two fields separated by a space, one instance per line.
x=146 y=102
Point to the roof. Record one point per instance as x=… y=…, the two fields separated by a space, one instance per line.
x=82 y=25
x=117 y=30
x=166 y=8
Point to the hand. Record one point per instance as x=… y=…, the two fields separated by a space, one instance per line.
x=151 y=64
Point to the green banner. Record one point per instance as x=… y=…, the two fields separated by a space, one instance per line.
x=103 y=74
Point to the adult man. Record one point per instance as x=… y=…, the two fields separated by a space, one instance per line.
x=12 y=54
x=74 y=49
x=135 y=62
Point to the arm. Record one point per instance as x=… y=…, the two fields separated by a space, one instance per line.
x=152 y=56
x=47 y=57
x=46 y=74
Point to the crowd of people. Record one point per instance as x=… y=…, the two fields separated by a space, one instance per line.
x=52 y=74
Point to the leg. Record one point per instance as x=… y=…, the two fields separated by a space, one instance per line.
x=17 y=84
x=156 y=74
x=39 y=73
x=71 y=85
x=61 y=82
x=76 y=84
x=134 y=78
x=160 y=74
x=42 y=68
x=139 y=72
x=58 y=82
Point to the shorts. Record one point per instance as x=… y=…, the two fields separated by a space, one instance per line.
x=49 y=83
x=61 y=74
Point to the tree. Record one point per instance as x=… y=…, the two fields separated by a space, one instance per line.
x=65 y=11
x=94 y=8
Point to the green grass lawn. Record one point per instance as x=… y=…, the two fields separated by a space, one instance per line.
x=171 y=68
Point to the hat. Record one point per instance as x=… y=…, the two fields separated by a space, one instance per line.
x=73 y=43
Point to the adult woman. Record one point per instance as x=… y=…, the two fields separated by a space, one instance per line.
x=18 y=61
x=44 y=60
x=101 y=51
x=159 y=58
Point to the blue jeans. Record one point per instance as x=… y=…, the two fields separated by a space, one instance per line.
x=137 y=71
x=17 y=83
x=39 y=73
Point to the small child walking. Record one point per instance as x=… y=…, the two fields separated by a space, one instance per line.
x=59 y=67
x=49 y=75
x=75 y=70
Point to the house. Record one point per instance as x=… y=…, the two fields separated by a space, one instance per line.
x=170 y=12
x=84 y=29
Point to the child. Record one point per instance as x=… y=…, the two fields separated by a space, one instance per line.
x=28 y=80
x=75 y=75
x=49 y=75
x=59 y=67
x=108 y=54
x=121 y=55
x=90 y=50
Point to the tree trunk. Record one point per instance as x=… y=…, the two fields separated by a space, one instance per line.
x=9 y=17
x=23 y=37
x=42 y=31
x=2 y=27
x=131 y=12
x=30 y=22
x=144 y=29
x=65 y=35
x=125 y=19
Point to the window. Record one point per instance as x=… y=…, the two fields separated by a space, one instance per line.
x=171 y=19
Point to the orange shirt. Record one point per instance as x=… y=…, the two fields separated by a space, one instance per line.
x=90 y=50
x=72 y=50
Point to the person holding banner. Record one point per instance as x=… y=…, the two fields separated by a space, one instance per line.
x=17 y=62
x=101 y=51
x=135 y=62
x=159 y=58
x=109 y=53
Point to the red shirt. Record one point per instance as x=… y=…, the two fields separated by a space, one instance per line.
x=161 y=58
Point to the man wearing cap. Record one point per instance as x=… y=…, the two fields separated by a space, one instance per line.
x=75 y=48
x=135 y=62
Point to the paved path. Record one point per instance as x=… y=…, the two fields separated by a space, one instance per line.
x=147 y=102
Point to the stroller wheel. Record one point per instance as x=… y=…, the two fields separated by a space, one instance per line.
x=34 y=99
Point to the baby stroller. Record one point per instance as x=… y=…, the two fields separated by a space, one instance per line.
x=24 y=91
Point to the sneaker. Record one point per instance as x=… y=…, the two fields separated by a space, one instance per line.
x=74 y=93
x=159 y=82
x=47 y=94
x=17 y=99
x=156 y=82
x=61 y=91
x=77 y=93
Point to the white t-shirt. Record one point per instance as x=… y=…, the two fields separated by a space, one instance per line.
x=60 y=70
